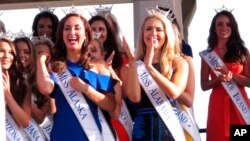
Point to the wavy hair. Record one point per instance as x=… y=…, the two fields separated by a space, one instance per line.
x=111 y=43
x=168 y=49
x=236 y=50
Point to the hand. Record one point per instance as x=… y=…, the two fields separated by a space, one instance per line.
x=148 y=59
x=45 y=56
x=225 y=75
x=6 y=83
x=77 y=84
x=128 y=50
x=110 y=58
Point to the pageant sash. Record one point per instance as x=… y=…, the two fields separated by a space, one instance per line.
x=187 y=122
x=126 y=119
x=106 y=131
x=213 y=60
x=13 y=132
x=46 y=126
x=79 y=106
x=160 y=102
x=33 y=132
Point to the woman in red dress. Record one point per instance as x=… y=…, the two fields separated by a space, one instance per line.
x=225 y=40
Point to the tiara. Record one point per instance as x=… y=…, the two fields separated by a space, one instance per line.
x=73 y=10
x=8 y=35
x=37 y=39
x=166 y=12
x=46 y=9
x=102 y=11
x=223 y=8
x=22 y=34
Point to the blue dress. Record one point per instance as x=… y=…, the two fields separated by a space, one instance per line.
x=148 y=125
x=66 y=126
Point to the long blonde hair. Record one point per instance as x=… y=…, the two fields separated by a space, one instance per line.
x=168 y=49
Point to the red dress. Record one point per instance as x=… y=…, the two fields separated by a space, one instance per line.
x=221 y=110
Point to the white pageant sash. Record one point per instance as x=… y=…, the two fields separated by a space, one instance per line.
x=213 y=60
x=187 y=122
x=82 y=111
x=46 y=126
x=33 y=132
x=79 y=106
x=126 y=119
x=106 y=131
x=160 y=102
x=13 y=132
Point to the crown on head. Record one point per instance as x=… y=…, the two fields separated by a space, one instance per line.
x=223 y=8
x=37 y=39
x=102 y=11
x=166 y=12
x=22 y=34
x=73 y=10
x=46 y=9
x=8 y=35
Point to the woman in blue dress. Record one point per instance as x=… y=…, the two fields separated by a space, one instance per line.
x=168 y=69
x=73 y=36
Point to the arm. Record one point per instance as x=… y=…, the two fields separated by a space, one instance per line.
x=21 y=114
x=104 y=101
x=130 y=82
x=44 y=83
x=39 y=114
x=187 y=97
x=206 y=83
x=243 y=80
x=176 y=86
x=118 y=95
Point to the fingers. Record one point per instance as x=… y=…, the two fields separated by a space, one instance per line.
x=110 y=58
x=226 y=78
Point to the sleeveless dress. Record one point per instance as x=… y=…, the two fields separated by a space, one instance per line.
x=221 y=110
x=148 y=125
x=66 y=126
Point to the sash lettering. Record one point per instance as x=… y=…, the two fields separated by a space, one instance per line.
x=46 y=126
x=160 y=102
x=213 y=60
x=126 y=119
x=12 y=130
x=81 y=109
x=33 y=132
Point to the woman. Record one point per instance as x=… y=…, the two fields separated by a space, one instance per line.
x=45 y=24
x=156 y=50
x=112 y=46
x=73 y=36
x=99 y=24
x=17 y=98
x=225 y=41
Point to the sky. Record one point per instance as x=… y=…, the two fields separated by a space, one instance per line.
x=15 y=20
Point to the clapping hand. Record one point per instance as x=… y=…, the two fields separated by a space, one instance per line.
x=225 y=75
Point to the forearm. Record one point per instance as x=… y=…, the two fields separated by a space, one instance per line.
x=21 y=116
x=44 y=83
x=37 y=114
x=131 y=86
x=209 y=84
x=241 y=80
x=104 y=101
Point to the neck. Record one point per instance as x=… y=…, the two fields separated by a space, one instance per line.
x=73 y=57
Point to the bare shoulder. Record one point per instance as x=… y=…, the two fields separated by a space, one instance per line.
x=180 y=62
